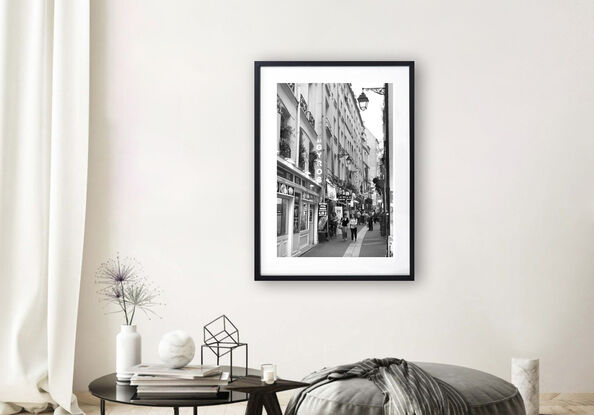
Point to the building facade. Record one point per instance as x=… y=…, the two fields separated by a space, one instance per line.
x=323 y=162
x=375 y=153
x=299 y=187
x=345 y=156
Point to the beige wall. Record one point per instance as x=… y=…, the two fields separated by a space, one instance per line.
x=504 y=173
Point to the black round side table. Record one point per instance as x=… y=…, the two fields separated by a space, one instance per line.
x=106 y=388
x=247 y=388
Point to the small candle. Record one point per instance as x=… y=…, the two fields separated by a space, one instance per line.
x=268 y=373
x=268 y=377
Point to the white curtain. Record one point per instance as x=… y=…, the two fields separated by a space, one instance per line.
x=44 y=98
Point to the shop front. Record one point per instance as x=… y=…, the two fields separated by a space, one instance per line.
x=344 y=200
x=303 y=222
x=297 y=201
x=284 y=205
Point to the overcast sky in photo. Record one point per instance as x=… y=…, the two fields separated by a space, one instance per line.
x=372 y=116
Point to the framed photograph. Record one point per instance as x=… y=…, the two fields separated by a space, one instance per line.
x=334 y=168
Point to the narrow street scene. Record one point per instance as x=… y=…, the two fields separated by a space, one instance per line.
x=332 y=170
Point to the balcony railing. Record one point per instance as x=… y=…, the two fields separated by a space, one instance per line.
x=292 y=87
x=308 y=116
x=303 y=103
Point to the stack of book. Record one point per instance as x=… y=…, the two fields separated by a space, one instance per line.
x=159 y=383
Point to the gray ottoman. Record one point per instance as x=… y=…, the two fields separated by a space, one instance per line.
x=485 y=394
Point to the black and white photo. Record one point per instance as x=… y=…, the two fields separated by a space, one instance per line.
x=338 y=143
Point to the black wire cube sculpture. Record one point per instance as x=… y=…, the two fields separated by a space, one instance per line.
x=221 y=330
x=221 y=337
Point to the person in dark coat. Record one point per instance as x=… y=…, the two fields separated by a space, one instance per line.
x=344 y=223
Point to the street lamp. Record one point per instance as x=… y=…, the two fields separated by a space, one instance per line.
x=363 y=101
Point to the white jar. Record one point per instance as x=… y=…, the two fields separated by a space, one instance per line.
x=128 y=351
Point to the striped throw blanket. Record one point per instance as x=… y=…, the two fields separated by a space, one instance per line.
x=408 y=389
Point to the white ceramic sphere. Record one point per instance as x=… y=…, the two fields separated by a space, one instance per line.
x=176 y=349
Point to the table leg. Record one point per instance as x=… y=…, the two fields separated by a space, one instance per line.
x=271 y=404
x=102 y=407
x=255 y=404
x=175 y=410
x=195 y=410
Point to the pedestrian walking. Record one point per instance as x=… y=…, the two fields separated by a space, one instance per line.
x=333 y=225
x=344 y=223
x=353 y=224
x=370 y=223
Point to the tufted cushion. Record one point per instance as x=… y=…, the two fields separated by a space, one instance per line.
x=485 y=394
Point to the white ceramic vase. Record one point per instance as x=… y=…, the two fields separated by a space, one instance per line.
x=128 y=351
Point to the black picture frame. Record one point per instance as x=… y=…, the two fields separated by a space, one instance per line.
x=258 y=65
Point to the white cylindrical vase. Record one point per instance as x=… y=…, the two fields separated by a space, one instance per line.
x=524 y=376
x=128 y=351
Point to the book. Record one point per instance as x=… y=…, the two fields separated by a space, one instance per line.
x=187 y=372
x=179 y=390
x=176 y=392
x=154 y=380
x=221 y=396
x=172 y=396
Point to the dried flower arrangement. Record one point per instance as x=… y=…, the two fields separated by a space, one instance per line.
x=124 y=284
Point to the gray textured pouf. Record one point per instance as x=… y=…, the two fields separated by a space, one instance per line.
x=485 y=394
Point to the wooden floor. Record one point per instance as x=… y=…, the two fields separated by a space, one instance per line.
x=550 y=403
x=567 y=403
